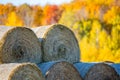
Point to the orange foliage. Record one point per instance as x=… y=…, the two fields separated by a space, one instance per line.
x=51 y=14
x=38 y=15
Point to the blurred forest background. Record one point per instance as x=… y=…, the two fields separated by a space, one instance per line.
x=96 y=24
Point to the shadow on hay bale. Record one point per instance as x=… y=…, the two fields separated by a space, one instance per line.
x=59 y=71
x=101 y=71
x=58 y=43
x=19 y=44
x=83 y=68
x=17 y=71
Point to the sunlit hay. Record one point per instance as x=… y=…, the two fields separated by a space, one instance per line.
x=102 y=71
x=17 y=71
x=60 y=71
x=58 y=43
x=19 y=44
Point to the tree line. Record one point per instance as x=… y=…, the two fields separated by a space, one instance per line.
x=95 y=22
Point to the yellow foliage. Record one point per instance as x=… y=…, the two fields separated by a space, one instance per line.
x=104 y=39
x=95 y=32
x=117 y=56
x=93 y=10
x=96 y=47
x=105 y=54
x=89 y=52
x=101 y=2
x=13 y=20
x=112 y=15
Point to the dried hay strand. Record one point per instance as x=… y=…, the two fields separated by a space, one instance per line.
x=19 y=44
x=58 y=43
x=102 y=71
x=61 y=71
x=20 y=71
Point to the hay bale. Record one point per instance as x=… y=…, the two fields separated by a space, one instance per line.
x=17 y=71
x=19 y=44
x=116 y=66
x=102 y=71
x=59 y=71
x=83 y=68
x=58 y=43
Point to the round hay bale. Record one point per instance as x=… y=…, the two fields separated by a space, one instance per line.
x=59 y=71
x=17 y=71
x=102 y=71
x=83 y=68
x=19 y=44
x=58 y=43
x=116 y=66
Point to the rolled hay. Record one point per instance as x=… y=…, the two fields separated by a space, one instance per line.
x=116 y=66
x=59 y=71
x=58 y=43
x=102 y=71
x=83 y=68
x=19 y=44
x=17 y=71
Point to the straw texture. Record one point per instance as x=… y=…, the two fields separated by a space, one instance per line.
x=59 y=71
x=24 y=71
x=58 y=43
x=83 y=68
x=102 y=71
x=19 y=44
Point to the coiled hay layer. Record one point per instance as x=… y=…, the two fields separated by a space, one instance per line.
x=58 y=43
x=83 y=68
x=19 y=44
x=59 y=71
x=17 y=71
x=102 y=71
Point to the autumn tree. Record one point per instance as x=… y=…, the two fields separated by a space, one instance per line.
x=83 y=28
x=112 y=16
x=52 y=14
x=13 y=20
x=115 y=38
x=24 y=11
x=4 y=11
x=37 y=15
